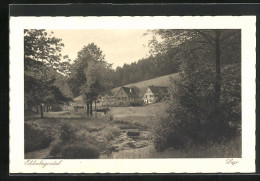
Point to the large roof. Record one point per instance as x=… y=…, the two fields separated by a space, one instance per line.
x=79 y=98
x=157 y=89
x=129 y=91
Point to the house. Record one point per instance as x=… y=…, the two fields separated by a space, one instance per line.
x=78 y=104
x=126 y=95
x=153 y=93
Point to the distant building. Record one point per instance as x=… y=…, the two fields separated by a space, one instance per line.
x=153 y=93
x=126 y=94
x=78 y=104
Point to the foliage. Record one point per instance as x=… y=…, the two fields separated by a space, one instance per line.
x=90 y=75
x=137 y=102
x=67 y=133
x=193 y=117
x=35 y=139
x=145 y=69
x=169 y=47
x=75 y=143
x=98 y=80
x=89 y=60
x=205 y=101
x=42 y=62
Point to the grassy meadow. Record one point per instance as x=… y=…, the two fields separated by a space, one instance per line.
x=124 y=132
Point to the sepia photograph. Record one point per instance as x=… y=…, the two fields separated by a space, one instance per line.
x=132 y=94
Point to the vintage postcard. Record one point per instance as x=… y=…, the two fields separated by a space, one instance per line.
x=132 y=94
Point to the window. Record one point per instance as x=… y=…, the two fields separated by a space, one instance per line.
x=151 y=96
x=118 y=98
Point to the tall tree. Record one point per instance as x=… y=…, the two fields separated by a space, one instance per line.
x=90 y=75
x=41 y=57
x=184 y=42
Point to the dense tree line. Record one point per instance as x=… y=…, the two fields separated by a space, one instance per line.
x=166 y=56
x=146 y=68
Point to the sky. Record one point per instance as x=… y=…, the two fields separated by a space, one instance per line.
x=118 y=46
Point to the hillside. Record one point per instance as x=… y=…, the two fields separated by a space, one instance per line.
x=158 y=81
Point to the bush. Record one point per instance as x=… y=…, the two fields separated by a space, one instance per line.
x=193 y=118
x=75 y=144
x=67 y=133
x=35 y=139
x=137 y=103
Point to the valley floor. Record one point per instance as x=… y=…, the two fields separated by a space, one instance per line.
x=124 y=132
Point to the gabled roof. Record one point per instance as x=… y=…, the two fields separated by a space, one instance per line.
x=79 y=98
x=157 y=89
x=129 y=91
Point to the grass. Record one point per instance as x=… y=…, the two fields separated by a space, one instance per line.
x=149 y=110
x=92 y=136
x=75 y=150
x=35 y=139
x=232 y=149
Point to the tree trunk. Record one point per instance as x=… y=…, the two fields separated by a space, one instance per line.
x=37 y=109
x=47 y=108
x=95 y=105
x=41 y=110
x=218 y=76
x=91 y=112
x=87 y=108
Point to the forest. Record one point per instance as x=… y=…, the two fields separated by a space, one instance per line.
x=204 y=105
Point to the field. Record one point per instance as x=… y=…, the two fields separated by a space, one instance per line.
x=124 y=132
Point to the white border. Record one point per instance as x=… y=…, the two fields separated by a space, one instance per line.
x=245 y=164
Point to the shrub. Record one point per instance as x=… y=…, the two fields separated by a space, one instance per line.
x=137 y=103
x=193 y=117
x=67 y=133
x=35 y=139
